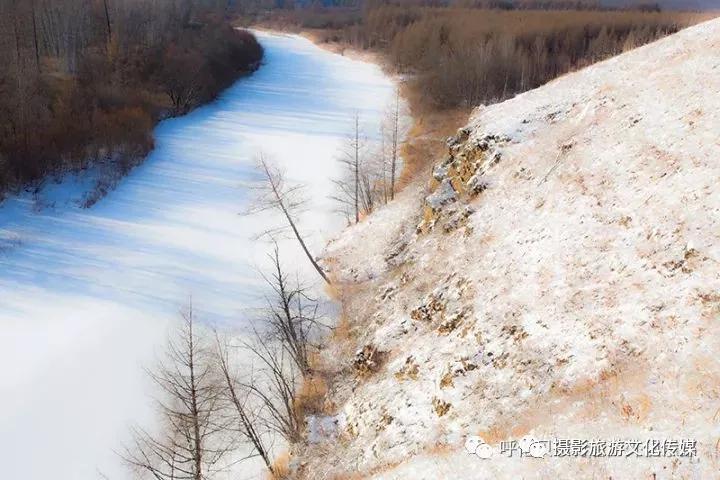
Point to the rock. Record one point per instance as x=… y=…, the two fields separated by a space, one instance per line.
x=440 y=172
x=458 y=218
x=451 y=322
x=444 y=195
x=461 y=136
x=477 y=184
x=367 y=360
x=409 y=370
x=322 y=428
x=441 y=407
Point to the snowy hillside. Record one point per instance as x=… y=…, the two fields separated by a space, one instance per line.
x=558 y=278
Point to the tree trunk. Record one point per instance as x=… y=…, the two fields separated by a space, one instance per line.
x=393 y=163
x=107 y=22
x=197 y=441
x=280 y=203
x=357 y=169
x=35 y=36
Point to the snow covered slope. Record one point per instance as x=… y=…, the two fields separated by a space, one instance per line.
x=562 y=281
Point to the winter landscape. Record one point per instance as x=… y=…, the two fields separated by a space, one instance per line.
x=101 y=285
x=404 y=240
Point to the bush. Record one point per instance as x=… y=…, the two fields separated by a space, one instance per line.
x=64 y=105
x=487 y=51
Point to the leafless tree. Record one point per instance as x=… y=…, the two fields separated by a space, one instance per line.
x=194 y=438
x=350 y=186
x=275 y=193
x=246 y=414
x=273 y=384
x=394 y=128
x=292 y=315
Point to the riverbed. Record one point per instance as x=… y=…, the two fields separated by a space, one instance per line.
x=87 y=295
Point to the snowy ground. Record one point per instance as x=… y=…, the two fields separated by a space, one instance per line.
x=86 y=295
x=576 y=297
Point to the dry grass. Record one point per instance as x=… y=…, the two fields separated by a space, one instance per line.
x=310 y=398
x=342 y=331
x=280 y=467
x=425 y=142
x=465 y=56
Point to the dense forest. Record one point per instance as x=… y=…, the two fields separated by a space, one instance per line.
x=465 y=53
x=84 y=81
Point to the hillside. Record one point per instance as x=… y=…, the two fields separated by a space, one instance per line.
x=557 y=278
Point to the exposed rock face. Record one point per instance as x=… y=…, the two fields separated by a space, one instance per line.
x=572 y=290
x=462 y=175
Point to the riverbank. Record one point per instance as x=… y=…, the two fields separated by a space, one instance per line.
x=424 y=141
x=429 y=126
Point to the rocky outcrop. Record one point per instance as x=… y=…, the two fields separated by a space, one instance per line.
x=460 y=177
x=558 y=281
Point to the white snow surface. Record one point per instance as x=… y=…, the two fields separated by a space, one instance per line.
x=87 y=295
x=581 y=300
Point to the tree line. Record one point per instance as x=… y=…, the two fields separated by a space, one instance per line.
x=84 y=81
x=464 y=53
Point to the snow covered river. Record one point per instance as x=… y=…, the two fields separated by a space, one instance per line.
x=86 y=296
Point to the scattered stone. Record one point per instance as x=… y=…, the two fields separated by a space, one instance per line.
x=432 y=305
x=441 y=407
x=368 y=360
x=447 y=380
x=409 y=370
x=385 y=420
x=451 y=322
x=690 y=260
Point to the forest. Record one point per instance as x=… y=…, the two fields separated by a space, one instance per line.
x=84 y=81
x=462 y=54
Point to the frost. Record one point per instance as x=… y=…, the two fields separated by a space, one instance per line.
x=444 y=195
x=580 y=300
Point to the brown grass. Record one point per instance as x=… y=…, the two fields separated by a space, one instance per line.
x=311 y=395
x=466 y=56
x=342 y=331
x=280 y=467
x=424 y=144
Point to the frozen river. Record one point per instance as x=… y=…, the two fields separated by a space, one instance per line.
x=86 y=296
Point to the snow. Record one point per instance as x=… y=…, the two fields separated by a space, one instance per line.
x=569 y=304
x=87 y=295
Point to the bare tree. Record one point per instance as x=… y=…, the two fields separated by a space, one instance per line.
x=194 y=439
x=107 y=22
x=349 y=187
x=394 y=120
x=246 y=414
x=292 y=315
x=273 y=383
x=274 y=193
x=262 y=403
